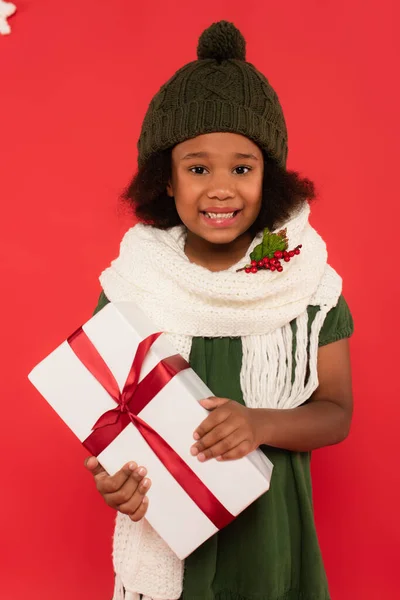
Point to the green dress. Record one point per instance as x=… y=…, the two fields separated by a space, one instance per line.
x=271 y=550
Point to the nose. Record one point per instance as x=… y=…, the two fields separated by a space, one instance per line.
x=220 y=189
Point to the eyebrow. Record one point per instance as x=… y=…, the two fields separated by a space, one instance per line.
x=206 y=155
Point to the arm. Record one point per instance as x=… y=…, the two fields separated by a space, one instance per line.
x=233 y=430
x=325 y=418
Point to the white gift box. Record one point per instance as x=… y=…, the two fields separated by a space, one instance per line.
x=174 y=413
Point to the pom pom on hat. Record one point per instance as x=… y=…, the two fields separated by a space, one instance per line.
x=222 y=41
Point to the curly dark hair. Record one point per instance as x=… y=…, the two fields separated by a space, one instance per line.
x=282 y=193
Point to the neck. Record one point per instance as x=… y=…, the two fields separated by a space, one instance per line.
x=216 y=257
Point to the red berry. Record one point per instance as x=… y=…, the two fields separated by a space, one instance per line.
x=300 y=246
x=272 y=268
x=291 y=254
x=253 y=263
x=248 y=270
x=254 y=269
x=260 y=263
x=297 y=251
x=278 y=254
x=286 y=258
x=266 y=260
x=285 y=254
x=280 y=269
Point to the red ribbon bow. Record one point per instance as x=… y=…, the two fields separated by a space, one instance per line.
x=130 y=401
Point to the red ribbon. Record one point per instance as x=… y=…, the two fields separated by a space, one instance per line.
x=133 y=398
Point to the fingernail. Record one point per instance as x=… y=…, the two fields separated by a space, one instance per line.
x=201 y=457
x=142 y=471
x=145 y=483
x=194 y=451
x=196 y=435
x=145 y=500
x=132 y=466
x=218 y=458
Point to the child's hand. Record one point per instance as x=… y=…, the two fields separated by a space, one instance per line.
x=231 y=431
x=125 y=491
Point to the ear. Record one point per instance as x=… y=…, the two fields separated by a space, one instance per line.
x=170 y=191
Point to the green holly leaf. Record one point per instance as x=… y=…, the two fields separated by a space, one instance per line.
x=273 y=242
x=257 y=253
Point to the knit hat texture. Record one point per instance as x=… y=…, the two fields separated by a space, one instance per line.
x=218 y=92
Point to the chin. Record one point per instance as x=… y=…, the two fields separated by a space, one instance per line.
x=220 y=236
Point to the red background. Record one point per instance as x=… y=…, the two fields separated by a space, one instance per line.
x=75 y=79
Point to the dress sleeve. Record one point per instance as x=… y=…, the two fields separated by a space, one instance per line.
x=338 y=324
x=103 y=300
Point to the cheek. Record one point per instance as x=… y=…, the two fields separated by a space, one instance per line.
x=186 y=207
x=187 y=193
x=253 y=195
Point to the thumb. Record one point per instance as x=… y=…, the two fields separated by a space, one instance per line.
x=213 y=402
x=93 y=465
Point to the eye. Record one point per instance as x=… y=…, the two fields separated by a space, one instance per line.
x=197 y=170
x=241 y=168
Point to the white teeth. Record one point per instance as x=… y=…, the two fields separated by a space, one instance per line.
x=219 y=215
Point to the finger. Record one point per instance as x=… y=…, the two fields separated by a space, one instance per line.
x=241 y=450
x=106 y=484
x=127 y=490
x=130 y=507
x=125 y=493
x=213 y=437
x=213 y=402
x=139 y=473
x=219 y=415
x=93 y=465
x=141 y=511
x=222 y=447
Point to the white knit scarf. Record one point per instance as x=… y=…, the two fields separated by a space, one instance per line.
x=185 y=300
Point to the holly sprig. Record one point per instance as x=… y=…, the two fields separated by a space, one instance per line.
x=268 y=254
x=271 y=243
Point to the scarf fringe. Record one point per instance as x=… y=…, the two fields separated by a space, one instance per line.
x=121 y=594
x=312 y=363
x=269 y=379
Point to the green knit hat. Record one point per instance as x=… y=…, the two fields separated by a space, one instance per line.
x=218 y=92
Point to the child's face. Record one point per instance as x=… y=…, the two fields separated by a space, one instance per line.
x=217 y=185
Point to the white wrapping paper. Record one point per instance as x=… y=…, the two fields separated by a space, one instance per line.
x=174 y=413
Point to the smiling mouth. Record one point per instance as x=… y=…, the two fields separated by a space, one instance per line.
x=219 y=216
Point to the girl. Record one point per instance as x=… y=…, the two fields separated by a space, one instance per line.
x=226 y=263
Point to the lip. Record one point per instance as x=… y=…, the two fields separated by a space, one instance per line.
x=220 y=223
x=221 y=209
